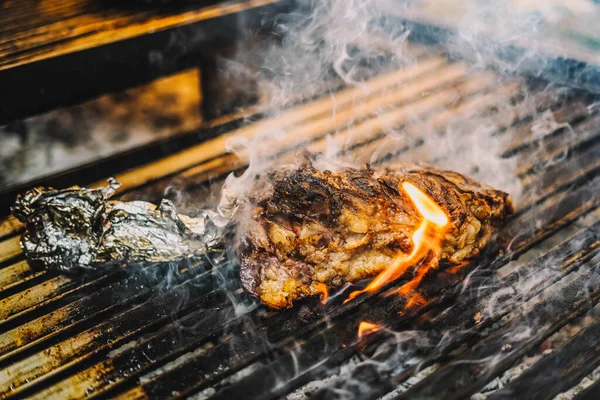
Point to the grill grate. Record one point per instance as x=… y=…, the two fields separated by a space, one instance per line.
x=173 y=330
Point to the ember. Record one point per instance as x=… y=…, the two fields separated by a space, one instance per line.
x=322 y=288
x=367 y=328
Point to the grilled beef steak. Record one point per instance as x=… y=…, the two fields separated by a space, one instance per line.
x=317 y=227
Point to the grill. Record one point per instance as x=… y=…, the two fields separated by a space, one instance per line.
x=186 y=330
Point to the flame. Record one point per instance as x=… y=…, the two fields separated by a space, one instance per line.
x=425 y=205
x=426 y=239
x=322 y=289
x=366 y=328
x=411 y=285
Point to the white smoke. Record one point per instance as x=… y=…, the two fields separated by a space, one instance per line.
x=346 y=41
x=326 y=42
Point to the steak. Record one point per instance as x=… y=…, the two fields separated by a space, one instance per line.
x=315 y=227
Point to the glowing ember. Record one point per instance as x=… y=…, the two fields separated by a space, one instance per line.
x=366 y=328
x=414 y=301
x=322 y=288
x=456 y=268
x=426 y=240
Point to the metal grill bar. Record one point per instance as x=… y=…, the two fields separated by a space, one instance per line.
x=98 y=341
x=339 y=336
x=558 y=371
x=591 y=393
x=470 y=107
x=75 y=358
x=9 y=248
x=567 y=114
x=583 y=134
x=462 y=377
x=544 y=212
x=460 y=317
x=188 y=367
x=464 y=311
x=113 y=296
x=17 y=273
x=55 y=290
x=224 y=166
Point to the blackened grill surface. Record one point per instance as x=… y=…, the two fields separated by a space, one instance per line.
x=169 y=331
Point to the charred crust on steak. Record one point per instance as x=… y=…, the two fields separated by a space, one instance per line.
x=317 y=226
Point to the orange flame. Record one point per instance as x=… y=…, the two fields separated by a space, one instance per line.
x=414 y=301
x=424 y=241
x=425 y=205
x=322 y=289
x=366 y=328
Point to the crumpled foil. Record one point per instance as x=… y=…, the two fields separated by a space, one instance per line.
x=81 y=228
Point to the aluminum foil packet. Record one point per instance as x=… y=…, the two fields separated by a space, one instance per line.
x=82 y=228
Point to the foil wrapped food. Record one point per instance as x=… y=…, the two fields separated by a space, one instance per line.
x=82 y=228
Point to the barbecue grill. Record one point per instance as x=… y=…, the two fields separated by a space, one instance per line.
x=186 y=330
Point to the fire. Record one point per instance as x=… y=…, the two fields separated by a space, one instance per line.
x=426 y=240
x=366 y=328
x=322 y=289
x=414 y=301
x=425 y=205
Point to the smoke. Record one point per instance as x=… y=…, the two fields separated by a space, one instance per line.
x=341 y=58
x=459 y=116
x=352 y=41
x=476 y=115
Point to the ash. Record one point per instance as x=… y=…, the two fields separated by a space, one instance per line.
x=551 y=344
x=312 y=387
x=410 y=382
x=581 y=386
x=306 y=391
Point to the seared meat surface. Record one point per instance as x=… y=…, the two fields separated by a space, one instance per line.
x=316 y=227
